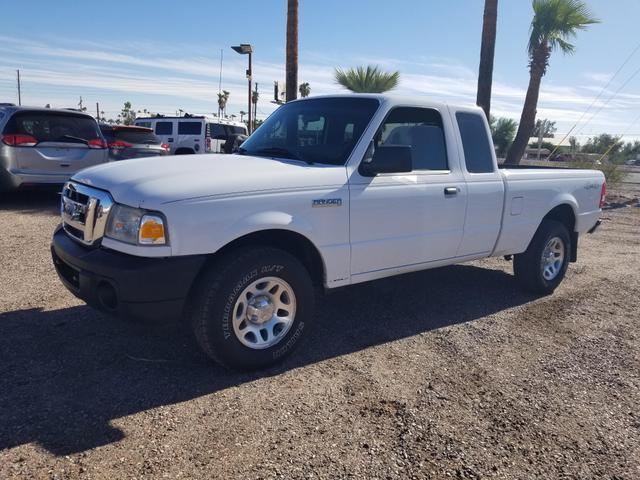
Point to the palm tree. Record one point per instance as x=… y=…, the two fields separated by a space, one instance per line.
x=242 y=114
x=502 y=132
x=292 y=50
x=367 y=80
x=487 y=49
x=305 y=89
x=554 y=23
x=254 y=100
x=223 y=98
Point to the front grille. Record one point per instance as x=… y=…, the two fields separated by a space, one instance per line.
x=84 y=212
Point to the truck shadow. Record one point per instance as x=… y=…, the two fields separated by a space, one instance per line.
x=67 y=374
x=35 y=201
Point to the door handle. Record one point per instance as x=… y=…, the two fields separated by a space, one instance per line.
x=450 y=191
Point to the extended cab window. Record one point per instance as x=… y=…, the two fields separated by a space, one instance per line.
x=475 y=143
x=164 y=128
x=189 y=128
x=313 y=130
x=420 y=129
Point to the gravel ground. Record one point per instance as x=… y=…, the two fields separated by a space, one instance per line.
x=447 y=373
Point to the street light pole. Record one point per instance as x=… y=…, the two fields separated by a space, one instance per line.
x=250 y=129
x=246 y=49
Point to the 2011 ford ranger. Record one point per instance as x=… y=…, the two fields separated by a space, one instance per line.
x=328 y=192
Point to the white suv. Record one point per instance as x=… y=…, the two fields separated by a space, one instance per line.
x=195 y=134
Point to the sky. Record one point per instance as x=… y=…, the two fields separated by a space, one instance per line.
x=165 y=55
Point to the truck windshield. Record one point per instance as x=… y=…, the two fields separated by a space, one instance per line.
x=323 y=130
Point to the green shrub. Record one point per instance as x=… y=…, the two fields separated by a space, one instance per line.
x=612 y=172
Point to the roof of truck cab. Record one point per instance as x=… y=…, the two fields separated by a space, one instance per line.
x=395 y=99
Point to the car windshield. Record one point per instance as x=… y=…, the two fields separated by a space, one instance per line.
x=323 y=130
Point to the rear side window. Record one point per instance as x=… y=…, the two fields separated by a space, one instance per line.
x=164 y=128
x=232 y=129
x=189 y=128
x=217 y=130
x=135 y=136
x=53 y=127
x=475 y=142
x=420 y=129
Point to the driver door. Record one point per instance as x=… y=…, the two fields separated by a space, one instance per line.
x=405 y=220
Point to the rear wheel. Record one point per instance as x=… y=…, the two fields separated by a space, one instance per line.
x=541 y=268
x=251 y=309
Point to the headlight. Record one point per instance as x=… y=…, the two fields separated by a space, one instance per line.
x=135 y=226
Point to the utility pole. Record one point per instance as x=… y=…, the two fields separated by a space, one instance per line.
x=220 y=79
x=98 y=111
x=19 y=90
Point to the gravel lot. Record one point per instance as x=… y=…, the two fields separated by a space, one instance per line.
x=447 y=373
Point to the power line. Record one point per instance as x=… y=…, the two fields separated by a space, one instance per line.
x=633 y=52
x=610 y=98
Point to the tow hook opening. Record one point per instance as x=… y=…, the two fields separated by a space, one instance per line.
x=107 y=297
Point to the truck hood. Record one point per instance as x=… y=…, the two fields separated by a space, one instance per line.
x=153 y=181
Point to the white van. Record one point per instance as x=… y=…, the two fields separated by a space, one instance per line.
x=194 y=134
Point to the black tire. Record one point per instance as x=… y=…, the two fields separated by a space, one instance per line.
x=214 y=306
x=528 y=266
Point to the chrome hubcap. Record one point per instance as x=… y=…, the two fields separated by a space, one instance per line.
x=264 y=312
x=552 y=258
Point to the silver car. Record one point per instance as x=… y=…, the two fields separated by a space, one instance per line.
x=42 y=146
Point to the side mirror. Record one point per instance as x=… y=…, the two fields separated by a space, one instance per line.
x=387 y=159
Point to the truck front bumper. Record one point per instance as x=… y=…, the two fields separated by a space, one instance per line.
x=125 y=285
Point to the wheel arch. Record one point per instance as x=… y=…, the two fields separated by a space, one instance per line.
x=565 y=214
x=287 y=240
x=184 y=151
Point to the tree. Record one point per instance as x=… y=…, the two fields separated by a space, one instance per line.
x=602 y=143
x=292 y=50
x=487 y=50
x=548 y=130
x=223 y=98
x=367 y=80
x=574 y=146
x=127 y=115
x=554 y=23
x=305 y=89
x=502 y=132
x=242 y=114
x=254 y=100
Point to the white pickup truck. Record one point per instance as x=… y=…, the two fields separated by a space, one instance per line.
x=328 y=192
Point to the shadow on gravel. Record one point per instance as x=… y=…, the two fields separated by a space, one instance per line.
x=32 y=201
x=66 y=374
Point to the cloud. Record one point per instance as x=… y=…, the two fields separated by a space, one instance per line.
x=162 y=78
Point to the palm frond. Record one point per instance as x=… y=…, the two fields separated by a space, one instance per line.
x=557 y=21
x=367 y=79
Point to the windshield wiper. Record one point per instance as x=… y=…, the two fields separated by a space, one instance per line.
x=280 y=151
x=71 y=137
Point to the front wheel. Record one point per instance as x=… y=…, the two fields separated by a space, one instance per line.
x=541 y=268
x=251 y=308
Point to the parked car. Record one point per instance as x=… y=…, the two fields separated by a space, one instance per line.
x=195 y=134
x=633 y=161
x=126 y=142
x=362 y=187
x=42 y=146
